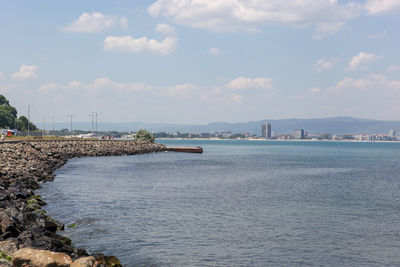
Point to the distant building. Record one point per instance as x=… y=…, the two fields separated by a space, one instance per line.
x=266 y=130
x=298 y=133
x=392 y=133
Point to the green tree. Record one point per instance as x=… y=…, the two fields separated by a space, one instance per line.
x=8 y=117
x=8 y=114
x=4 y=101
x=22 y=124
x=144 y=135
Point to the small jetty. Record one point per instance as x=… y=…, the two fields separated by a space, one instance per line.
x=185 y=149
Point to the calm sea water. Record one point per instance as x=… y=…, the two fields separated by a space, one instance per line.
x=240 y=203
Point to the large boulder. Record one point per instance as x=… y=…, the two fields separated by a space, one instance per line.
x=108 y=261
x=40 y=258
x=84 y=262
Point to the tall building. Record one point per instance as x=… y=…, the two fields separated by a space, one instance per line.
x=266 y=130
x=392 y=133
x=298 y=133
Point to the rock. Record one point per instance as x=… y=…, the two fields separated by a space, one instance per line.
x=8 y=247
x=50 y=226
x=9 y=228
x=40 y=258
x=5 y=263
x=107 y=261
x=112 y=261
x=63 y=239
x=84 y=262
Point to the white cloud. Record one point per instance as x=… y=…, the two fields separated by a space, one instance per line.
x=314 y=90
x=2 y=76
x=326 y=16
x=376 y=7
x=99 y=84
x=378 y=36
x=181 y=89
x=236 y=98
x=229 y=93
x=129 y=44
x=373 y=96
x=26 y=72
x=359 y=61
x=165 y=29
x=214 y=51
x=75 y=84
x=324 y=64
x=377 y=83
x=95 y=22
x=393 y=68
x=249 y=83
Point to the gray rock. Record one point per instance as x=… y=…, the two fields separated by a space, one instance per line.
x=8 y=247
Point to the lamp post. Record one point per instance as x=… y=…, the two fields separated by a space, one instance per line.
x=53 y=127
x=29 y=118
x=96 y=114
x=44 y=127
x=71 y=116
x=92 y=115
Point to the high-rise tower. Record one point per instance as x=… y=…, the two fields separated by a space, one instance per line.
x=266 y=131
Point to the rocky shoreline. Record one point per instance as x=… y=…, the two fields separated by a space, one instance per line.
x=27 y=234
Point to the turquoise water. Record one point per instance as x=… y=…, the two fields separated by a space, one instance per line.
x=241 y=203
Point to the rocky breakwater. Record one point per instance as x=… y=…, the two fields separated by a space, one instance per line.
x=28 y=237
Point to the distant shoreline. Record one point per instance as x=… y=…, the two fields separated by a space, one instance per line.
x=277 y=140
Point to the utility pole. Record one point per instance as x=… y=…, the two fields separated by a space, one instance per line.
x=92 y=115
x=96 y=121
x=44 y=130
x=97 y=113
x=53 y=127
x=71 y=116
x=29 y=116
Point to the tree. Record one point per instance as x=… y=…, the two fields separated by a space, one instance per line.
x=4 y=101
x=8 y=117
x=8 y=114
x=23 y=124
x=144 y=135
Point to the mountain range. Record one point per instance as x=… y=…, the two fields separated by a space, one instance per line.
x=336 y=125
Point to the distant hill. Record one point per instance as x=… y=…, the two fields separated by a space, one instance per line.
x=337 y=125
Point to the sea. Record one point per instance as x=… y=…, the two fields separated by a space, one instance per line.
x=240 y=203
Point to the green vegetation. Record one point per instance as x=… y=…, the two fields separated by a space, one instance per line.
x=4 y=256
x=8 y=117
x=72 y=225
x=22 y=124
x=144 y=135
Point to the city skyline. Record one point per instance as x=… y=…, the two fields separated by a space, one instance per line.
x=182 y=62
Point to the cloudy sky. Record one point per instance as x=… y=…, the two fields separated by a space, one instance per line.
x=199 y=61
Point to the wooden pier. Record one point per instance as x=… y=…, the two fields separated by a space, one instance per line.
x=185 y=149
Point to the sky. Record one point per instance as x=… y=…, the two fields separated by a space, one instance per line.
x=201 y=61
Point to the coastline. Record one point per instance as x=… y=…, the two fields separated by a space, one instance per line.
x=277 y=140
x=25 y=229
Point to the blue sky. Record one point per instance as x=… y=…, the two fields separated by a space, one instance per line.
x=199 y=61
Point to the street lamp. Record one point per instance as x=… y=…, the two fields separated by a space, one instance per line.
x=92 y=115
x=71 y=116
x=29 y=118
